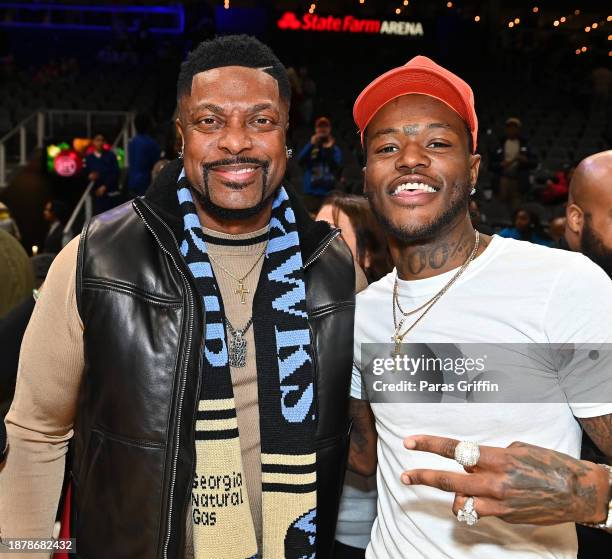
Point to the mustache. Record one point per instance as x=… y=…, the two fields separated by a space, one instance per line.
x=242 y=160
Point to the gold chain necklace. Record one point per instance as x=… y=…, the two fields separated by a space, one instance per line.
x=241 y=289
x=397 y=336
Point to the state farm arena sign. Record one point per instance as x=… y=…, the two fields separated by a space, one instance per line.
x=289 y=21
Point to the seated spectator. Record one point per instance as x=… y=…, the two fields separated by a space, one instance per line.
x=557 y=188
x=103 y=169
x=526 y=227
x=56 y=215
x=511 y=161
x=8 y=223
x=322 y=160
x=556 y=231
x=360 y=230
x=143 y=153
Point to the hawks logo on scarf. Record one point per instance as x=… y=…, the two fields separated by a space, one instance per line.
x=223 y=526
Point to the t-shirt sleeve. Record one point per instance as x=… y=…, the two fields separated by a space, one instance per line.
x=40 y=420
x=578 y=324
x=356 y=384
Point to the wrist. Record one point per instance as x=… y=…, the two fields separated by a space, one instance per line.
x=602 y=481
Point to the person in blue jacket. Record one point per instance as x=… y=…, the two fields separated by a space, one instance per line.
x=103 y=169
x=322 y=160
x=143 y=153
x=527 y=228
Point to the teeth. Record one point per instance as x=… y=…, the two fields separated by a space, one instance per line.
x=243 y=171
x=414 y=186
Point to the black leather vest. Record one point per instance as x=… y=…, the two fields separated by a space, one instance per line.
x=133 y=453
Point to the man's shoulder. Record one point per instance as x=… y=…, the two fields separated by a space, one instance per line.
x=540 y=261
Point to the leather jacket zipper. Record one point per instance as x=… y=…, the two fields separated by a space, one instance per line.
x=322 y=247
x=183 y=381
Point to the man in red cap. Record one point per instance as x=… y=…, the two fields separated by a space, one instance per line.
x=455 y=288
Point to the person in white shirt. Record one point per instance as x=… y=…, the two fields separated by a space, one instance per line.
x=453 y=285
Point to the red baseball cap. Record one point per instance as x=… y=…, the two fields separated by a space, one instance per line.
x=419 y=75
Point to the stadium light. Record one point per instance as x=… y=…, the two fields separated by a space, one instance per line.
x=477 y=19
x=556 y=23
x=594 y=26
x=587 y=29
x=511 y=24
x=535 y=10
x=563 y=19
x=449 y=4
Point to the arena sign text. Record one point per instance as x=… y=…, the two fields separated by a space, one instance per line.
x=289 y=21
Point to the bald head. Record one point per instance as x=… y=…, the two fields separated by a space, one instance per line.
x=592 y=179
x=589 y=209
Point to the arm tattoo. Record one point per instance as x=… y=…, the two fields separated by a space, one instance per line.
x=555 y=484
x=362 y=455
x=600 y=431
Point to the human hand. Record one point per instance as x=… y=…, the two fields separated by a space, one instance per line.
x=100 y=191
x=521 y=484
x=93 y=176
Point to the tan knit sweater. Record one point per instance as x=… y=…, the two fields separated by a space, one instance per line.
x=41 y=417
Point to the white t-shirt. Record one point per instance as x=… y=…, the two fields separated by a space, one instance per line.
x=514 y=292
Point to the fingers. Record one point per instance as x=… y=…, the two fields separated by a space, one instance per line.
x=445 y=447
x=481 y=484
x=428 y=443
x=482 y=505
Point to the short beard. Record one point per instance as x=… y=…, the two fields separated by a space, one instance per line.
x=459 y=205
x=594 y=248
x=228 y=214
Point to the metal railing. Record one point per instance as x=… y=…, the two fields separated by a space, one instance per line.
x=45 y=120
x=84 y=201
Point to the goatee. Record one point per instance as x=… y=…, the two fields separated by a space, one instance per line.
x=593 y=247
x=229 y=214
x=410 y=234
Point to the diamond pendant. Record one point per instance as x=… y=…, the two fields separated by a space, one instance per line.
x=237 y=349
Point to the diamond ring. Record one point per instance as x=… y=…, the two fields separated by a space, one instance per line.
x=467 y=514
x=467 y=453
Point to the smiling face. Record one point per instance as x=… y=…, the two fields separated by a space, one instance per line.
x=233 y=127
x=419 y=171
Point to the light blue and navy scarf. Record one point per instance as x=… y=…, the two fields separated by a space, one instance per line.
x=223 y=526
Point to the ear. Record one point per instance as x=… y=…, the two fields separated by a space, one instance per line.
x=179 y=130
x=575 y=219
x=474 y=169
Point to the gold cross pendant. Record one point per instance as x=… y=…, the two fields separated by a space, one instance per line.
x=397 y=340
x=242 y=292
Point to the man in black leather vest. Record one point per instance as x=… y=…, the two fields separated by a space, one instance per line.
x=129 y=383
